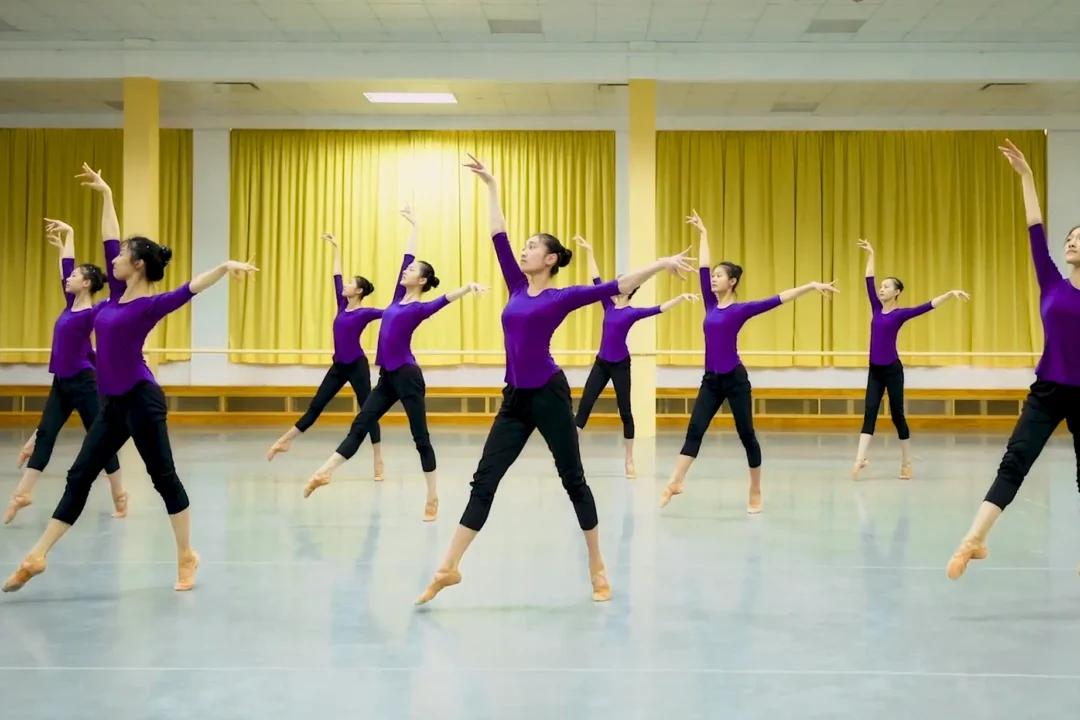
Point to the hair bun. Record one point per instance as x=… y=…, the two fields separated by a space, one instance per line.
x=433 y=282
x=165 y=253
x=565 y=256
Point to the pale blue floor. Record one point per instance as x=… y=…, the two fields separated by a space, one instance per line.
x=834 y=603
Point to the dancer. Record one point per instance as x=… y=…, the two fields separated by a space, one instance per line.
x=536 y=395
x=725 y=376
x=400 y=377
x=71 y=362
x=613 y=359
x=134 y=405
x=886 y=371
x=1055 y=395
x=350 y=364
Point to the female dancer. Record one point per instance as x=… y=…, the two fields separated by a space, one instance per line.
x=1055 y=395
x=400 y=377
x=134 y=404
x=74 y=385
x=350 y=364
x=536 y=395
x=725 y=376
x=613 y=359
x=886 y=372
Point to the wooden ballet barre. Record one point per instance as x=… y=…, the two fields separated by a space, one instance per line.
x=494 y=353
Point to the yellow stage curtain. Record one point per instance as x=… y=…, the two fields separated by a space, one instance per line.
x=37 y=180
x=943 y=210
x=288 y=187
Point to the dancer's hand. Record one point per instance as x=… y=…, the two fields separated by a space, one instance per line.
x=1015 y=157
x=826 y=289
x=688 y=297
x=93 y=180
x=694 y=221
x=680 y=264
x=410 y=217
x=476 y=288
x=329 y=237
x=865 y=245
x=479 y=169
x=238 y=269
x=960 y=295
x=583 y=243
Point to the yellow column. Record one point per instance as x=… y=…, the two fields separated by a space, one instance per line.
x=643 y=249
x=140 y=158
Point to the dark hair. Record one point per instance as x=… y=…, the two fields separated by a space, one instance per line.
x=1071 y=232
x=94 y=274
x=154 y=257
x=427 y=273
x=630 y=295
x=363 y=285
x=555 y=247
x=899 y=285
x=733 y=271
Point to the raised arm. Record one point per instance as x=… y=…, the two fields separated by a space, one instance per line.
x=463 y=291
x=678 y=264
x=958 y=294
x=511 y=271
x=1046 y=271
x=62 y=237
x=110 y=226
x=694 y=221
x=410 y=217
x=685 y=297
x=797 y=292
x=871 y=281
x=339 y=300
x=207 y=279
x=594 y=269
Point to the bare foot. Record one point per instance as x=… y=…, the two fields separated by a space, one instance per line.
x=17 y=503
x=858 y=467
x=120 y=503
x=379 y=468
x=29 y=568
x=670 y=490
x=905 y=471
x=631 y=471
x=442 y=580
x=280 y=446
x=317 y=481
x=753 y=506
x=969 y=550
x=186 y=568
x=431 y=510
x=601 y=588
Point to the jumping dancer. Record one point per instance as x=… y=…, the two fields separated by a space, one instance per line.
x=725 y=376
x=71 y=362
x=536 y=396
x=886 y=371
x=1055 y=395
x=134 y=405
x=613 y=359
x=400 y=377
x=350 y=364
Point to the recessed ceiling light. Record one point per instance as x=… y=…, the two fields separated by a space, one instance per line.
x=412 y=98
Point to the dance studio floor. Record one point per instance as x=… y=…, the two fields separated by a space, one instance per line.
x=833 y=603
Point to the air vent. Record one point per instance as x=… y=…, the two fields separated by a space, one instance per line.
x=794 y=107
x=515 y=27
x=8 y=27
x=117 y=105
x=838 y=26
x=1004 y=86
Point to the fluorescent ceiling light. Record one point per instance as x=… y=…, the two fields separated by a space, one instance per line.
x=412 y=98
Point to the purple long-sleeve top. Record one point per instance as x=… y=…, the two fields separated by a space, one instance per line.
x=71 y=352
x=722 y=325
x=885 y=326
x=529 y=321
x=121 y=329
x=348 y=325
x=617 y=324
x=1059 y=307
x=399 y=322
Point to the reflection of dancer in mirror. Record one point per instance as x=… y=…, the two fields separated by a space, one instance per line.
x=725 y=377
x=536 y=396
x=886 y=371
x=350 y=364
x=71 y=362
x=613 y=359
x=134 y=405
x=1055 y=395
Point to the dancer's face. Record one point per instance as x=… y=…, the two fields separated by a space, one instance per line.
x=350 y=290
x=888 y=290
x=410 y=276
x=123 y=266
x=1072 y=248
x=75 y=283
x=535 y=257
x=720 y=281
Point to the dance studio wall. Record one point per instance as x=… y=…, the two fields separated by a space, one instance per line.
x=290 y=186
x=942 y=209
x=37 y=180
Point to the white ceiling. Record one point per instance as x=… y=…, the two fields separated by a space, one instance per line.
x=684 y=21
x=343 y=99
